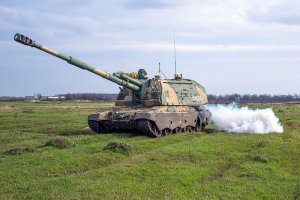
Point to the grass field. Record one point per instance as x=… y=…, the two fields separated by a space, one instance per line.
x=47 y=152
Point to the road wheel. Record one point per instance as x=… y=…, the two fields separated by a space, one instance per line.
x=198 y=128
x=188 y=129
x=166 y=132
x=176 y=130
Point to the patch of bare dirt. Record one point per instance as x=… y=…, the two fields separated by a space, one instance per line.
x=7 y=108
x=18 y=150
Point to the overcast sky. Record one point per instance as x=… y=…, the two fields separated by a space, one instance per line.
x=228 y=46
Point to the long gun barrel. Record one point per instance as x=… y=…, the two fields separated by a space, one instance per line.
x=123 y=80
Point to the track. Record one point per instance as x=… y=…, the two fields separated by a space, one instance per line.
x=146 y=127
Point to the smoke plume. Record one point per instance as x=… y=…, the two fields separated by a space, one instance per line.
x=231 y=118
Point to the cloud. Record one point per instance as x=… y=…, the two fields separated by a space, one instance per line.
x=286 y=12
x=183 y=48
x=233 y=34
x=149 y=4
x=8 y=10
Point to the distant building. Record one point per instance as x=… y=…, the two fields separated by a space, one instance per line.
x=31 y=98
x=44 y=98
x=56 y=98
x=53 y=98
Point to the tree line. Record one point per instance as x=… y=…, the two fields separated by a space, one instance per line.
x=91 y=96
x=214 y=99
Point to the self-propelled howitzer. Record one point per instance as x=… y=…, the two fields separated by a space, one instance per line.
x=154 y=106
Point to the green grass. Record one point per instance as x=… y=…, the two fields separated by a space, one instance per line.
x=206 y=165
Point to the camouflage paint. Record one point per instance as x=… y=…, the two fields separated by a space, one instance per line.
x=171 y=98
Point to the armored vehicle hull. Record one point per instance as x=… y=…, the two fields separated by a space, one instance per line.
x=154 y=122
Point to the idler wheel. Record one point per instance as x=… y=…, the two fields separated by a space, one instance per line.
x=102 y=129
x=96 y=127
x=153 y=128
x=148 y=128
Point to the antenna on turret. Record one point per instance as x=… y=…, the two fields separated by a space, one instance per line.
x=175 y=55
x=160 y=71
x=176 y=76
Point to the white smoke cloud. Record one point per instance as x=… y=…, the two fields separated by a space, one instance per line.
x=232 y=118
